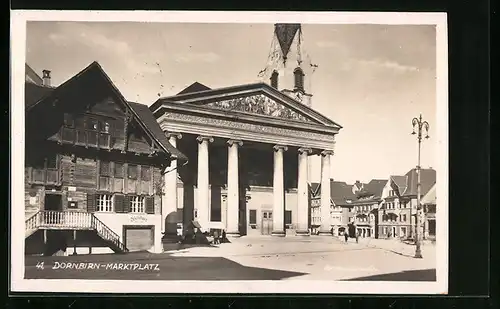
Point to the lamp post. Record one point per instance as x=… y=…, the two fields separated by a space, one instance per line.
x=420 y=125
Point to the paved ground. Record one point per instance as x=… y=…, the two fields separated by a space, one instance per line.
x=259 y=258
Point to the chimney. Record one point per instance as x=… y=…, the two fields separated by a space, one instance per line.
x=46 y=78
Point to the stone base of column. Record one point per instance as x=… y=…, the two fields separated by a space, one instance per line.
x=233 y=234
x=278 y=233
x=325 y=232
x=302 y=233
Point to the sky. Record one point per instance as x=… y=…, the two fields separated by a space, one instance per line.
x=371 y=79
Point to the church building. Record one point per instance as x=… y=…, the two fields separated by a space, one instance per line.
x=249 y=149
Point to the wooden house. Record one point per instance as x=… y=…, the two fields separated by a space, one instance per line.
x=94 y=165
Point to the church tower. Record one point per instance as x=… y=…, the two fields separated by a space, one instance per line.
x=288 y=67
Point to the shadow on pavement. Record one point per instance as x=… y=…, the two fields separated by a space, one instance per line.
x=408 y=275
x=161 y=267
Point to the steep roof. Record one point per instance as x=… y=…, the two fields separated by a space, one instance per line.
x=427 y=180
x=375 y=186
x=430 y=197
x=371 y=190
x=341 y=192
x=33 y=93
x=400 y=182
x=31 y=76
x=146 y=116
x=95 y=74
x=194 y=87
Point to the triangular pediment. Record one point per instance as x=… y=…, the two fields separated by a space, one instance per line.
x=263 y=105
x=259 y=100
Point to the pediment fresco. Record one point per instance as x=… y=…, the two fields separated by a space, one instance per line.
x=260 y=104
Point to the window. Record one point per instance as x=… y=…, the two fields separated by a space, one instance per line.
x=91 y=124
x=253 y=216
x=137 y=204
x=145 y=173
x=299 y=78
x=103 y=126
x=87 y=131
x=404 y=218
x=45 y=170
x=132 y=171
x=274 y=80
x=104 y=203
x=105 y=175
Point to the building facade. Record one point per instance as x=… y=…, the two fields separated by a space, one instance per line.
x=399 y=207
x=249 y=149
x=429 y=204
x=94 y=165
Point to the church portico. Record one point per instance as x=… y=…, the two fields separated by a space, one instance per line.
x=248 y=168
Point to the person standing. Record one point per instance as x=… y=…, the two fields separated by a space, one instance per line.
x=216 y=237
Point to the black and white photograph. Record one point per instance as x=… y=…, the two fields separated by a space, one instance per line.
x=229 y=152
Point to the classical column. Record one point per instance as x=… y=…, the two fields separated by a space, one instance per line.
x=278 y=192
x=302 y=193
x=325 y=192
x=233 y=195
x=169 y=197
x=202 y=189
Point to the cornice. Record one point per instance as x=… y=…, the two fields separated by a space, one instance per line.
x=230 y=129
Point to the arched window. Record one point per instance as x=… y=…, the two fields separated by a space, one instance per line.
x=299 y=78
x=274 y=80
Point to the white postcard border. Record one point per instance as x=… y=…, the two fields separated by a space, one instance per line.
x=18 y=52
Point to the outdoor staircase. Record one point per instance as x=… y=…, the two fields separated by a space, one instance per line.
x=79 y=221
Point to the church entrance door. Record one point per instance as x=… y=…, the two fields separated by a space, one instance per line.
x=267 y=222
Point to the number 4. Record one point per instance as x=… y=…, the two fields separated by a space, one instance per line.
x=39 y=265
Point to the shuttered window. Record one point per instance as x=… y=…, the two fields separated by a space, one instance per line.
x=118 y=177
x=150 y=204
x=104 y=175
x=91 y=202
x=145 y=173
x=132 y=171
x=119 y=203
x=126 y=203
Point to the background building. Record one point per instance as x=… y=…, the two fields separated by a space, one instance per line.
x=399 y=207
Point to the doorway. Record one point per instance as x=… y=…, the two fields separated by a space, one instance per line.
x=267 y=222
x=53 y=202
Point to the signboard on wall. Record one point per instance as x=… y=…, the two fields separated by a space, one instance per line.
x=316 y=202
x=138 y=219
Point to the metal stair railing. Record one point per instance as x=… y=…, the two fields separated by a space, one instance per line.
x=106 y=233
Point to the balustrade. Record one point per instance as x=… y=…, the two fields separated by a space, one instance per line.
x=73 y=220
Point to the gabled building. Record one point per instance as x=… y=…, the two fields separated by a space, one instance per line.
x=341 y=204
x=94 y=166
x=366 y=205
x=399 y=207
x=429 y=205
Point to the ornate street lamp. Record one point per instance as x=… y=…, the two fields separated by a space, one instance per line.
x=420 y=125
